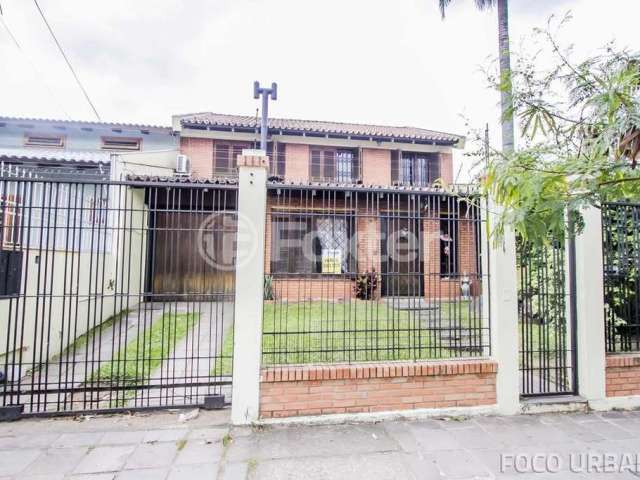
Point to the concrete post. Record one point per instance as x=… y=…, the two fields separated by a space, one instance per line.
x=590 y=309
x=504 y=316
x=247 y=334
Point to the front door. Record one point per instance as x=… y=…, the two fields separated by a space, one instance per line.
x=402 y=257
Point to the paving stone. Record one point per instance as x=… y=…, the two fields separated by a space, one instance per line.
x=41 y=440
x=380 y=466
x=235 y=471
x=152 y=455
x=143 y=474
x=93 y=476
x=199 y=451
x=77 y=439
x=57 y=461
x=122 y=438
x=166 y=435
x=204 y=471
x=210 y=434
x=15 y=461
x=459 y=464
x=105 y=459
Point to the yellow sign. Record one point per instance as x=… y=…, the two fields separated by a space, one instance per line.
x=331 y=261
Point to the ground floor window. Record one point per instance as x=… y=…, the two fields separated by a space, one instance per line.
x=318 y=244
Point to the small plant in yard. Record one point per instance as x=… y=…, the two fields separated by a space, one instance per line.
x=268 y=287
x=366 y=285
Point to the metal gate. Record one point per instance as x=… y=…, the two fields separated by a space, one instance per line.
x=114 y=295
x=621 y=259
x=546 y=321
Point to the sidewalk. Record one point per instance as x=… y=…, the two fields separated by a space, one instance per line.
x=159 y=446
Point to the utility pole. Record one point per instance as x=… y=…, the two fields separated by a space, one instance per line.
x=265 y=92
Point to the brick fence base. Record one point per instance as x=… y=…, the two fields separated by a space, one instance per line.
x=316 y=390
x=623 y=375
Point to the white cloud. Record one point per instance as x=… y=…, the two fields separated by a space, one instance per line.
x=358 y=60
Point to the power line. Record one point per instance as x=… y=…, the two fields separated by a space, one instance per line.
x=86 y=95
x=33 y=66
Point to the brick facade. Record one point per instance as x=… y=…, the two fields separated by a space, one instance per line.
x=200 y=151
x=446 y=167
x=315 y=390
x=376 y=167
x=623 y=375
x=297 y=162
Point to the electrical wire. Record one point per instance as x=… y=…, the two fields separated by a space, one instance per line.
x=35 y=68
x=64 y=55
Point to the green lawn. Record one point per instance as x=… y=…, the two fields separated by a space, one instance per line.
x=144 y=353
x=356 y=331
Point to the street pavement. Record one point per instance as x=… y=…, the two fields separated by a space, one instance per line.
x=161 y=446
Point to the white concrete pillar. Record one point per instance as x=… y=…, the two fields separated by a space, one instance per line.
x=504 y=315
x=247 y=335
x=590 y=329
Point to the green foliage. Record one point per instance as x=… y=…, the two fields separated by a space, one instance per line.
x=579 y=121
x=144 y=353
x=268 y=288
x=366 y=285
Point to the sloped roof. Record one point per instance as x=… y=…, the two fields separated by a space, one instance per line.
x=53 y=155
x=322 y=127
x=87 y=123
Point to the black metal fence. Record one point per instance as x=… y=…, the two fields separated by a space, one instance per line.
x=547 y=351
x=356 y=274
x=114 y=295
x=621 y=260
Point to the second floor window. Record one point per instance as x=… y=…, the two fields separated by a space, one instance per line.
x=225 y=158
x=334 y=165
x=417 y=169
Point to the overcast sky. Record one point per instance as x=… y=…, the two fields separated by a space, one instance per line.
x=386 y=62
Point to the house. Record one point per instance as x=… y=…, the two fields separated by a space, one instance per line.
x=57 y=229
x=345 y=235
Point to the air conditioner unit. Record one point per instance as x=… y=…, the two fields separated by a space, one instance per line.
x=183 y=165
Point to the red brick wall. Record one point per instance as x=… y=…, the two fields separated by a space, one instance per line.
x=446 y=167
x=623 y=375
x=298 y=288
x=376 y=166
x=200 y=151
x=297 y=162
x=315 y=390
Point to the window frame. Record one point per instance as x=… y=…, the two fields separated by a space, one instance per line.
x=405 y=171
x=318 y=157
x=300 y=264
x=233 y=149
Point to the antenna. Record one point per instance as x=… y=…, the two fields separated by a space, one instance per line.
x=265 y=93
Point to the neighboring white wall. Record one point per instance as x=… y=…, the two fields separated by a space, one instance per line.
x=49 y=317
x=77 y=137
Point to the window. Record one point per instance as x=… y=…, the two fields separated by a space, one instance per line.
x=418 y=169
x=334 y=165
x=311 y=244
x=50 y=141
x=10 y=272
x=449 y=246
x=277 y=160
x=225 y=158
x=10 y=218
x=121 y=143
